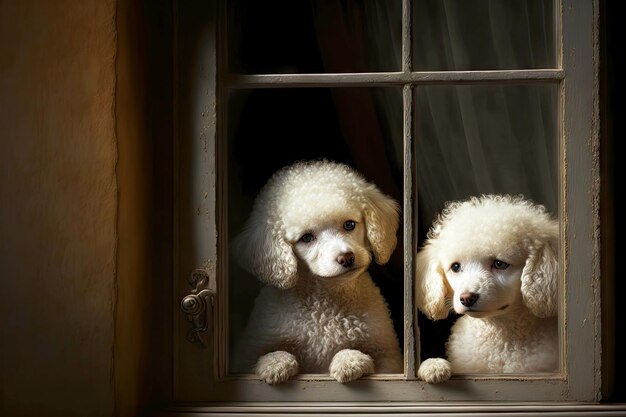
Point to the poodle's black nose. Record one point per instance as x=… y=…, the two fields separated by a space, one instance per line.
x=346 y=260
x=468 y=299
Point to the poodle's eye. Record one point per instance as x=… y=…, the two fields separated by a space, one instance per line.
x=456 y=267
x=307 y=237
x=498 y=264
x=349 y=225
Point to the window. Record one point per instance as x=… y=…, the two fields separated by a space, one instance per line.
x=418 y=81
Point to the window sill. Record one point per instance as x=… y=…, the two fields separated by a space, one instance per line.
x=397 y=409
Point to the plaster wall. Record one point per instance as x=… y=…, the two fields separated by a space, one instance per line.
x=58 y=202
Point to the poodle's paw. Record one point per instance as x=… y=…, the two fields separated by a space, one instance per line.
x=434 y=370
x=276 y=367
x=349 y=364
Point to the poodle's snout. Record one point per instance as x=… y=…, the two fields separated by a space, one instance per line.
x=468 y=299
x=346 y=260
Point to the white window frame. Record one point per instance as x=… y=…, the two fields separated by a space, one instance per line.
x=201 y=219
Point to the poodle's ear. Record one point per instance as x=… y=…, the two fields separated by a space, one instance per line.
x=539 y=280
x=262 y=251
x=430 y=285
x=382 y=216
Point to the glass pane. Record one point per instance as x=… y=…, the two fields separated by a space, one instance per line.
x=458 y=35
x=316 y=36
x=270 y=129
x=474 y=140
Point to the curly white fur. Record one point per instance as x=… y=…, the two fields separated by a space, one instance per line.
x=320 y=311
x=493 y=260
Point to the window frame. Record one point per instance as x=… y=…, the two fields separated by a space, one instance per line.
x=200 y=218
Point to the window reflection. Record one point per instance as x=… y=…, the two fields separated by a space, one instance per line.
x=458 y=35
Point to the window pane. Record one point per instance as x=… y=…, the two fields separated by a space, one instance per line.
x=296 y=36
x=457 y=35
x=270 y=129
x=473 y=140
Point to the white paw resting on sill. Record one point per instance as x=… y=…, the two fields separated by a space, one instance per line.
x=276 y=367
x=350 y=364
x=434 y=370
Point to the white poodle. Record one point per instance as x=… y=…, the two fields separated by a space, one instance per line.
x=310 y=237
x=493 y=260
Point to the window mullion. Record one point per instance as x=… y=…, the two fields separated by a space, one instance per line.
x=411 y=332
x=406 y=36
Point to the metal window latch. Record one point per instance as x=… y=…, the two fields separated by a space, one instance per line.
x=199 y=306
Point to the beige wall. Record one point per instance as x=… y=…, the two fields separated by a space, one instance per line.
x=85 y=206
x=58 y=202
